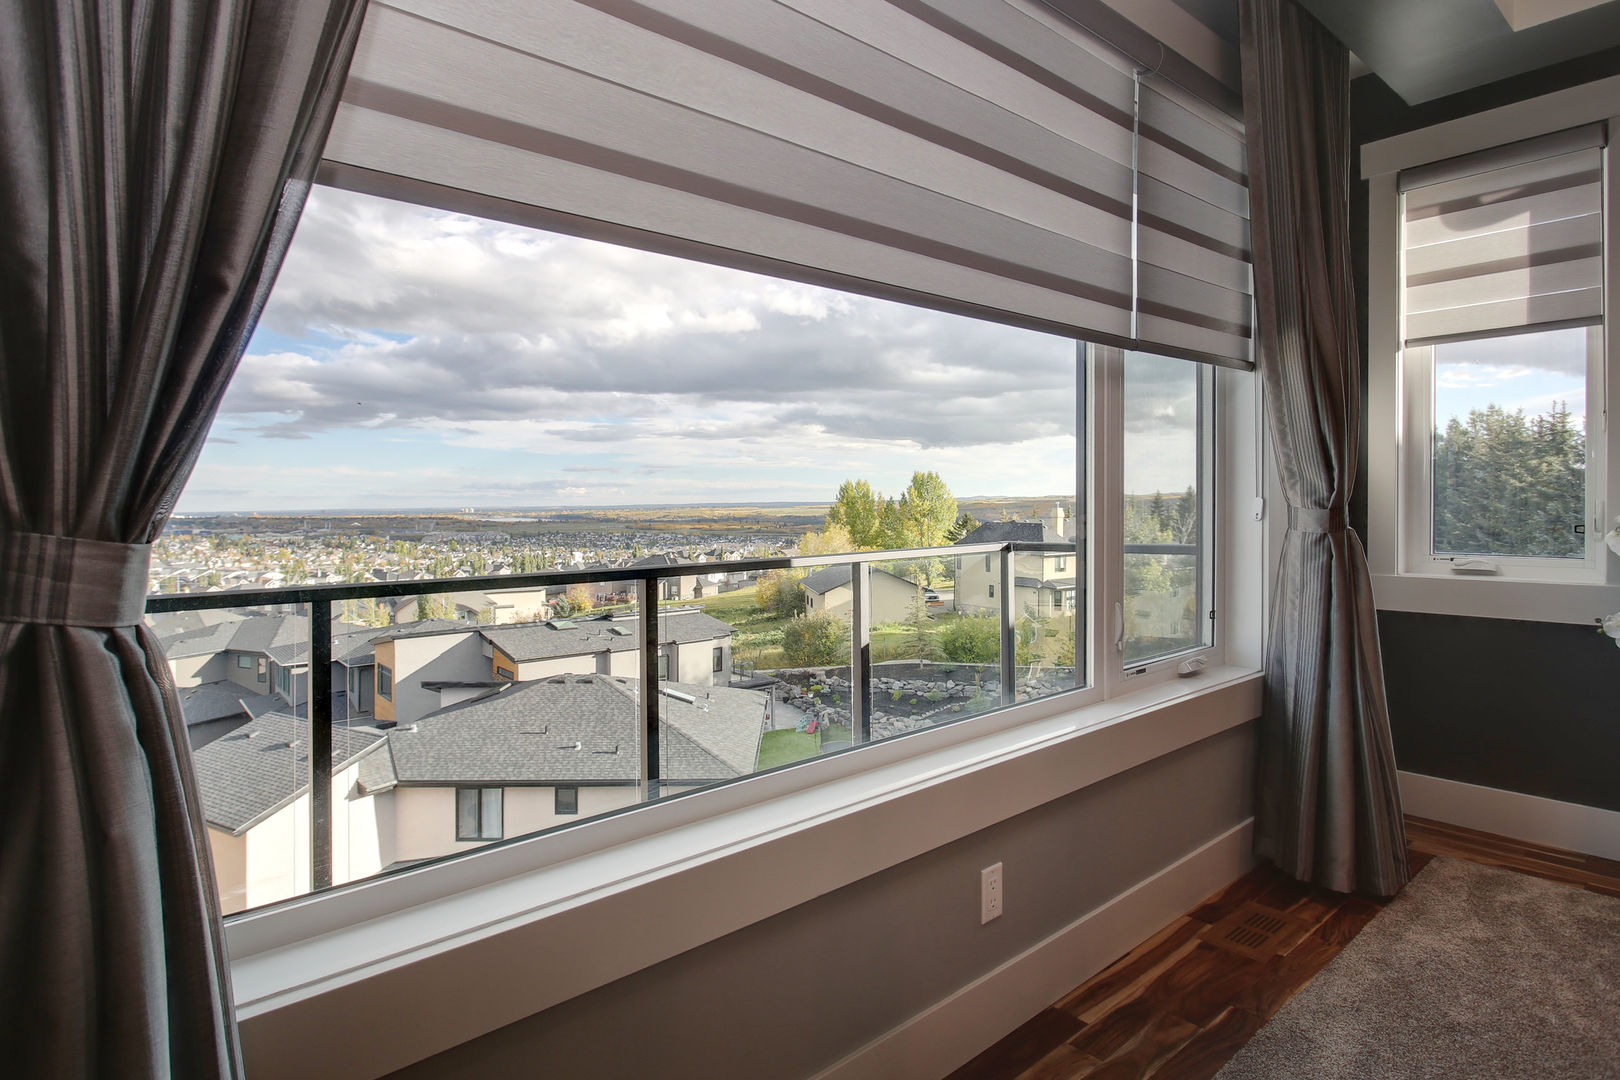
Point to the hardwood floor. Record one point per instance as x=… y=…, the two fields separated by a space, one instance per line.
x=1180 y=1004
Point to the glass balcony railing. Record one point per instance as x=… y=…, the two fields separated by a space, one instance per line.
x=340 y=731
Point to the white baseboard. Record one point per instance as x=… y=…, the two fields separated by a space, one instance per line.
x=1571 y=826
x=950 y=1032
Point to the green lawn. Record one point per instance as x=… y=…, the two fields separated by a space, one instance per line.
x=781 y=747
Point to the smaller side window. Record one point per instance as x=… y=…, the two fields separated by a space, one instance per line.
x=505 y=673
x=992 y=592
x=567 y=800
x=719 y=659
x=987 y=559
x=263 y=671
x=663 y=667
x=478 y=813
x=385 y=682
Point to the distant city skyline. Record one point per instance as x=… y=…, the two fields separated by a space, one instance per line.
x=414 y=357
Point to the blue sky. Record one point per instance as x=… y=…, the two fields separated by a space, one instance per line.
x=411 y=357
x=1527 y=372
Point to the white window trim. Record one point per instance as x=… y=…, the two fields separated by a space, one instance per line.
x=1397 y=588
x=683 y=874
x=1417 y=505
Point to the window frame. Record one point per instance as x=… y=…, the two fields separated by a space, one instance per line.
x=561 y=807
x=1417 y=478
x=1398 y=583
x=1216 y=428
x=481 y=832
x=385 y=682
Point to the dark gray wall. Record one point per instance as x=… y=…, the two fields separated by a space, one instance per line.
x=796 y=992
x=1521 y=706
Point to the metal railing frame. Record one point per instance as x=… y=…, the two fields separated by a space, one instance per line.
x=320 y=599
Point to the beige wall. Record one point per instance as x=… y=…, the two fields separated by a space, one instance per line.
x=891 y=599
x=452 y=657
x=425 y=817
x=270 y=862
x=247 y=677
x=196 y=670
x=230 y=868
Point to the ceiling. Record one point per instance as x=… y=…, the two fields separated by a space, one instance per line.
x=1426 y=49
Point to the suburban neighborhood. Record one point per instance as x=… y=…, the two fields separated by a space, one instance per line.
x=483 y=714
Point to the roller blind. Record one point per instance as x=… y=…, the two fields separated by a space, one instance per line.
x=969 y=155
x=1505 y=241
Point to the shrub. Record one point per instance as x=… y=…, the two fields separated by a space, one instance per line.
x=972 y=640
x=815 y=640
x=779 y=592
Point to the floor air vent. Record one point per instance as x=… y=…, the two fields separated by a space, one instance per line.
x=1256 y=932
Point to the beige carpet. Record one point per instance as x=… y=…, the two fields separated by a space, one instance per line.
x=1471 y=972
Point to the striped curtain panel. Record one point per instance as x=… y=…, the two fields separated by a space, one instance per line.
x=1327 y=808
x=961 y=154
x=1506 y=240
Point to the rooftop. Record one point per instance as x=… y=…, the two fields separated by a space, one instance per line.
x=581 y=636
x=572 y=729
x=246 y=776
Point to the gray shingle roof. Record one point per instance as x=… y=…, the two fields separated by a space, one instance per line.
x=176 y=627
x=539 y=641
x=215 y=700
x=573 y=729
x=357 y=647
x=262 y=766
x=202 y=641
x=1001 y=532
x=831 y=577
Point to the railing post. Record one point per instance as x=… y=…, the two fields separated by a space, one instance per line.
x=1008 y=642
x=320 y=745
x=647 y=623
x=860 y=653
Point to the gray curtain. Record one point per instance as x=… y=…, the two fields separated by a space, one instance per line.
x=1327 y=807
x=155 y=156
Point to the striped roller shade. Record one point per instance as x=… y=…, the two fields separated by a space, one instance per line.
x=1506 y=240
x=970 y=155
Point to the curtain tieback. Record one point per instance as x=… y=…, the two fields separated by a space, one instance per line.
x=1310 y=519
x=63 y=581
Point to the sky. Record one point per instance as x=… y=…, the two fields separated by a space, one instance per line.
x=410 y=357
x=1528 y=372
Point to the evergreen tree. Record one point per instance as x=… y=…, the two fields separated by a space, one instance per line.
x=1505 y=484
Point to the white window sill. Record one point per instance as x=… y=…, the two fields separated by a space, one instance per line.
x=1496 y=598
x=491 y=939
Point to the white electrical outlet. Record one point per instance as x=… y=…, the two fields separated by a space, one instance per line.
x=990 y=898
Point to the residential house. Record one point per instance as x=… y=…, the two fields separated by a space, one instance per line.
x=254 y=783
x=513 y=759
x=892 y=600
x=692 y=647
x=1044 y=583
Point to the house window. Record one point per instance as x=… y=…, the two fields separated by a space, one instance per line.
x=719 y=659
x=1165 y=491
x=478 y=813
x=505 y=673
x=992 y=592
x=385 y=682
x=663 y=667
x=1060 y=564
x=987 y=559
x=243 y=660
x=566 y=801
x=1502 y=464
x=263 y=669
